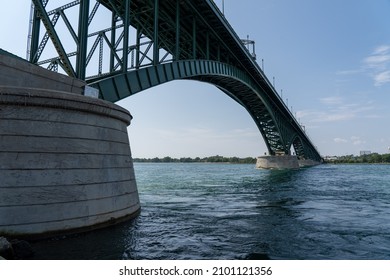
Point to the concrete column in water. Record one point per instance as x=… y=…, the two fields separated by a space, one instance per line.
x=277 y=162
x=65 y=159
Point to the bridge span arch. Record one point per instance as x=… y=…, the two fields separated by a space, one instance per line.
x=150 y=42
x=234 y=82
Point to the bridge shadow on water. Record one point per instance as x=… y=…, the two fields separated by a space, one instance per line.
x=101 y=244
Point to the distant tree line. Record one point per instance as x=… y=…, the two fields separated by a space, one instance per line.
x=371 y=158
x=212 y=159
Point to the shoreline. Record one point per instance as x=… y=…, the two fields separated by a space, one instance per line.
x=211 y=159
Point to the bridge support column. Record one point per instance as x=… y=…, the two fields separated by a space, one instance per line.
x=65 y=159
x=277 y=162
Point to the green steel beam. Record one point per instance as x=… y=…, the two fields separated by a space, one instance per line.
x=177 y=48
x=82 y=39
x=126 y=20
x=70 y=28
x=45 y=39
x=93 y=12
x=156 y=52
x=113 y=36
x=207 y=45
x=35 y=36
x=193 y=37
x=54 y=37
x=137 y=48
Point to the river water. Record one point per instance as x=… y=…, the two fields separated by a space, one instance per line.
x=234 y=211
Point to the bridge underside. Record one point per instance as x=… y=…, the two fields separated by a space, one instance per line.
x=150 y=42
x=234 y=82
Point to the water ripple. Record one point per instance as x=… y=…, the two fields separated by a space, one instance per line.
x=221 y=211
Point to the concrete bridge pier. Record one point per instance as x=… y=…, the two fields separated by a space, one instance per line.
x=277 y=162
x=65 y=159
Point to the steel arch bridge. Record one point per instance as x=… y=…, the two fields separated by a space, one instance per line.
x=122 y=47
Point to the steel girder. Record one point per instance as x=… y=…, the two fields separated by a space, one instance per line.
x=149 y=42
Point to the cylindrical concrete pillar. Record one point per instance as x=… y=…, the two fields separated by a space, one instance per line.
x=65 y=163
x=277 y=162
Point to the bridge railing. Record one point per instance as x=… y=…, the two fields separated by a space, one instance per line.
x=249 y=55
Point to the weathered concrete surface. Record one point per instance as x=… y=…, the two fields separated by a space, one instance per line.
x=17 y=72
x=277 y=162
x=65 y=163
x=65 y=159
x=307 y=162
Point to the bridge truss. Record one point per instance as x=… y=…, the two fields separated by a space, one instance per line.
x=122 y=47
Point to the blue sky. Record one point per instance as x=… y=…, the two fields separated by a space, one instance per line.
x=331 y=60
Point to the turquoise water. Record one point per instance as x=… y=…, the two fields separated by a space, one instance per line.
x=228 y=211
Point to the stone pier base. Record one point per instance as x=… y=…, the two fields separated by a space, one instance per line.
x=65 y=159
x=65 y=163
x=277 y=162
